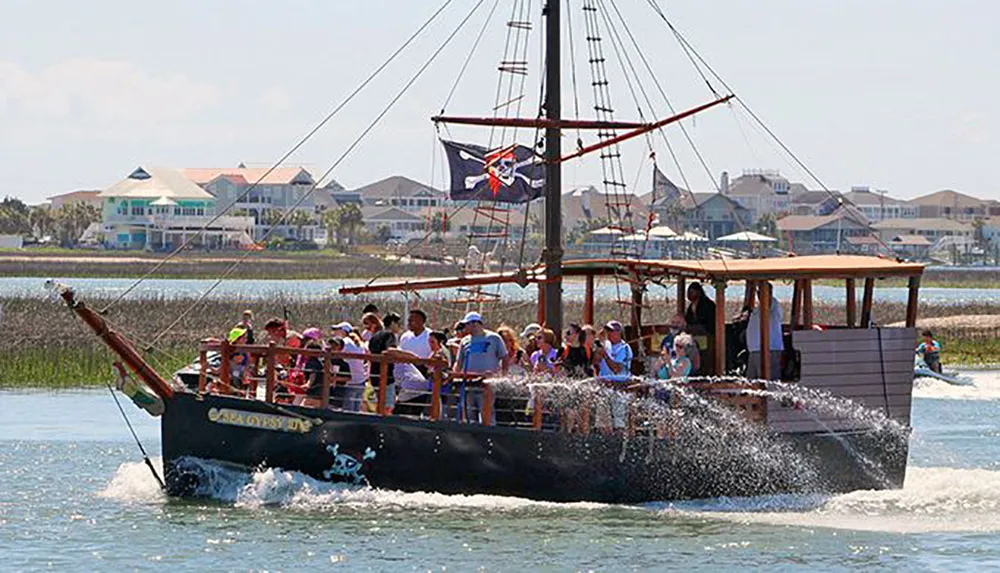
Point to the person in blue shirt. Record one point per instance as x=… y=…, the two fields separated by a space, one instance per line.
x=930 y=351
x=480 y=355
x=614 y=365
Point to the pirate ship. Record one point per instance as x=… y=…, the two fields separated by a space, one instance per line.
x=766 y=441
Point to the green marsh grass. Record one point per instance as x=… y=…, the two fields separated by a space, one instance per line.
x=47 y=346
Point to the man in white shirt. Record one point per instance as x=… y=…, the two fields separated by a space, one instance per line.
x=777 y=342
x=412 y=379
x=417 y=338
x=359 y=368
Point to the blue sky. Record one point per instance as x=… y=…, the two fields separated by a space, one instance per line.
x=890 y=93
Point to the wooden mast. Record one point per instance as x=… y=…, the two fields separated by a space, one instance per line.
x=553 y=253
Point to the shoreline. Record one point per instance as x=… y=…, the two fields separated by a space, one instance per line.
x=320 y=264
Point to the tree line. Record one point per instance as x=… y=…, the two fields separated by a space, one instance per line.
x=40 y=222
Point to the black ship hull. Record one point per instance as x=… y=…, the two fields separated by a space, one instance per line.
x=416 y=455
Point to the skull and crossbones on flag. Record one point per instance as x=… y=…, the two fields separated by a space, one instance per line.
x=512 y=174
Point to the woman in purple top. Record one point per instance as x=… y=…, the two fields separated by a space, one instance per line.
x=543 y=360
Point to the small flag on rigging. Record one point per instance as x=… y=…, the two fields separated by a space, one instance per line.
x=664 y=189
x=829 y=205
x=512 y=174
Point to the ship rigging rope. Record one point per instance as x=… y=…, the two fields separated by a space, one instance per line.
x=284 y=157
x=468 y=58
x=145 y=456
x=683 y=41
x=572 y=71
x=357 y=141
x=684 y=131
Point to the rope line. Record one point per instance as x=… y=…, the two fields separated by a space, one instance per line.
x=337 y=163
x=468 y=58
x=145 y=456
x=284 y=157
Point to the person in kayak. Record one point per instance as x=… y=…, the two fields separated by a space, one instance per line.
x=930 y=351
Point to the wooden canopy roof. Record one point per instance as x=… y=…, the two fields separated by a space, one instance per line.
x=805 y=267
x=790 y=268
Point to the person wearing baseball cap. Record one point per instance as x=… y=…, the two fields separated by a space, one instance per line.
x=354 y=390
x=615 y=365
x=480 y=355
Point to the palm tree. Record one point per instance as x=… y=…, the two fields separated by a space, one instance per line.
x=331 y=220
x=439 y=223
x=43 y=223
x=299 y=219
x=72 y=220
x=350 y=219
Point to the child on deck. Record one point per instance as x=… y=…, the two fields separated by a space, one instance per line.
x=930 y=351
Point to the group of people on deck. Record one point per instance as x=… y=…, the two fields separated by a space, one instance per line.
x=471 y=353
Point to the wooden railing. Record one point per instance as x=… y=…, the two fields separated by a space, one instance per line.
x=218 y=380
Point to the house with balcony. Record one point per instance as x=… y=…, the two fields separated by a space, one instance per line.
x=949 y=204
x=934 y=229
x=266 y=196
x=399 y=192
x=160 y=209
x=398 y=224
x=713 y=215
x=845 y=228
x=878 y=205
x=762 y=192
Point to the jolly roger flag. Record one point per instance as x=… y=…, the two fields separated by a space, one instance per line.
x=512 y=174
x=663 y=188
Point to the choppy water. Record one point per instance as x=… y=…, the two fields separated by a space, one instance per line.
x=316 y=289
x=74 y=496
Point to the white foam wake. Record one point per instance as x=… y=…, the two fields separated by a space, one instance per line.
x=986 y=386
x=934 y=499
x=134 y=483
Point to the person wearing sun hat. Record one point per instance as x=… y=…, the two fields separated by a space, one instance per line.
x=480 y=355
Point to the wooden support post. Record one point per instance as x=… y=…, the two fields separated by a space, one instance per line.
x=637 y=319
x=866 y=302
x=748 y=298
x=536 y=413
x=541 y=304
x=681 y=295
x=436 y=396
x=225 y=367
x=383 y=378
x=852 y=303
x=911 y=302
x=796 y=305
x=271 y=373
x=487 y=411
x=324 y=396
x=202 y=372
x=588 y=301
x=720 y=328
x=807 y=304
x=764 y=294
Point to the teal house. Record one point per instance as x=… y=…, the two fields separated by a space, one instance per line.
x=160 y=209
